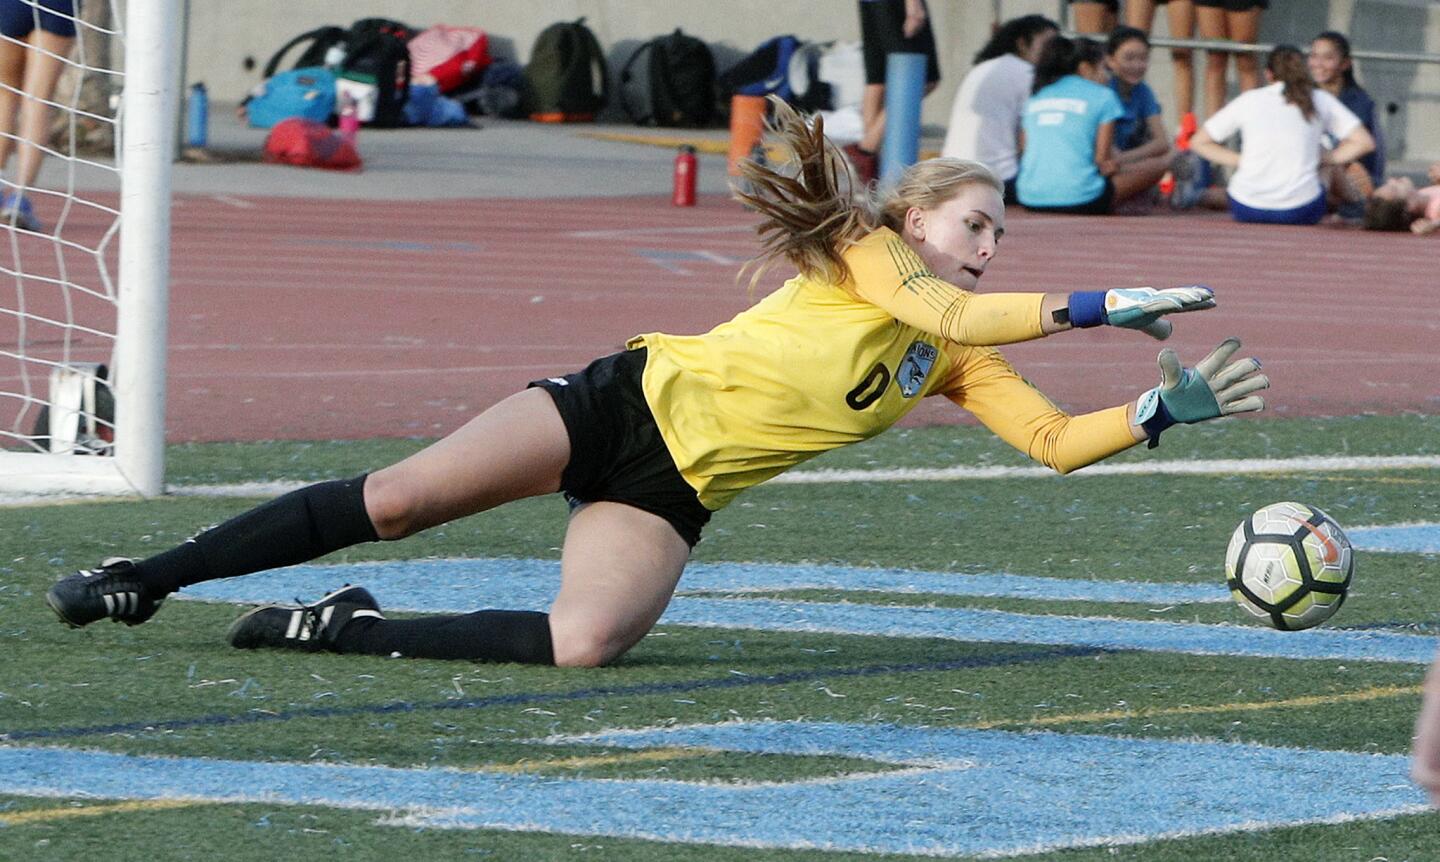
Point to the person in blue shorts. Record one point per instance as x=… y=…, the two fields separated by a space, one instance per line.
x=1283 y=127
x=37 y=37
x=1333 y=71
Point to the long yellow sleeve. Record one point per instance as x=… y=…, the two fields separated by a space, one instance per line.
x=989 y=387
x=886 y=272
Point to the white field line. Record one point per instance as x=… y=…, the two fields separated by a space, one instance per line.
x=1222 y=467
x=1231 y=466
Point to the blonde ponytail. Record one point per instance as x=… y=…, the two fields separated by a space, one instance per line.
x=810 y=218
x=807 y=219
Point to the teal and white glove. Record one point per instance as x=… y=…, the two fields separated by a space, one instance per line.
x=1210 y=389
x=1141 y=308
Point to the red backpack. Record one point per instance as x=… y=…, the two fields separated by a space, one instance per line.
x=308 y=144
x=453 y=56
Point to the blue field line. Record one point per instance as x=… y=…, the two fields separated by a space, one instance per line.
x=684 y=686
x=986 y=626
x=531 y=584
x=1401 y=538
x=967 y=792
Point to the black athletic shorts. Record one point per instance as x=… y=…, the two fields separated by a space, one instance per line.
x=882 y=33
x=616 y=451
x=1112 y=5
x=1102 y=205
x=1234 y=5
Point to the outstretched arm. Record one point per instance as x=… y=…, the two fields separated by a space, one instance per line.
x=985 y=384
x=887 y=272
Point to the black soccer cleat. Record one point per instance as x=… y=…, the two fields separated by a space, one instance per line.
x=308 y=627
x=113 y=590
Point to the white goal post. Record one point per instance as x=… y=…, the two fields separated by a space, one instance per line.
x=61 y=314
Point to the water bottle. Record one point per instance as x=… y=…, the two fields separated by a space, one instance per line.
x=685 y=171
x=197 y=120
x=349 y=119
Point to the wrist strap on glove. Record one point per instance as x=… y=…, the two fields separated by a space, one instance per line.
x=1087 y=308
x=1152 y=415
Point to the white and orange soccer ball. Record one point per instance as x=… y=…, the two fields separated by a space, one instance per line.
x=1290 y=565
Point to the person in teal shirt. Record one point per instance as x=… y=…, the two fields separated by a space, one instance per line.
x=1069 y=131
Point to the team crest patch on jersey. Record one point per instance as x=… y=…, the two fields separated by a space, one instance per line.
x=915 y=367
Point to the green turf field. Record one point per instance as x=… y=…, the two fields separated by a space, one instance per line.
x=761 y=739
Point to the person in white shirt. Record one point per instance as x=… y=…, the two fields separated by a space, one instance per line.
x=985 y=119
x=1277 y=178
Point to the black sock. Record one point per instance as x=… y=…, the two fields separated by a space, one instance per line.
x=290 y=529
x=518 y=636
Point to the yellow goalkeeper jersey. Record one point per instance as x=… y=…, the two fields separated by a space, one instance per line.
x=816 y=365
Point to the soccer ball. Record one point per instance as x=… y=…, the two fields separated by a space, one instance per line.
x=1290 y=565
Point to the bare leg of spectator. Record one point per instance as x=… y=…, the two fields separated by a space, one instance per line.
x=1181 y=14
x=1092 y=17
x=42 y=71
x=12 y=79
x=1245 y=27
x=1136 y=178
x=1212 y=26
x=872 y=114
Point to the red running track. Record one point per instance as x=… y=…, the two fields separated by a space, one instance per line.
x=318 y=319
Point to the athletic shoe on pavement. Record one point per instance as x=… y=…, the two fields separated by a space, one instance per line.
x=16 y=210
x=1190 y=180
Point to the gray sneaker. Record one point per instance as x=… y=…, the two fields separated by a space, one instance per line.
x=113 y=590
x=308 y=627
x=1190 y=178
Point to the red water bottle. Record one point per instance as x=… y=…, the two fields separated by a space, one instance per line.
x=686 y=168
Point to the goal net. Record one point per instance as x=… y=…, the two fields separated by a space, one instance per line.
x=84 y=246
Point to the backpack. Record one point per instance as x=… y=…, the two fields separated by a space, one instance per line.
x=322 y=40
x=680 y=82
x=376 y=71
x=308 y=144
x=84 y=407
x=763 y=71
x=499 y=92
x=827 y=76
x=565 y=79
x=453 y=56
x=308 y=93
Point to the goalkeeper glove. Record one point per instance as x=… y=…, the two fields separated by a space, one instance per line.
x=1137 y=307
x=1208 y=390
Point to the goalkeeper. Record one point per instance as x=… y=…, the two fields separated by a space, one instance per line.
x=648 y=443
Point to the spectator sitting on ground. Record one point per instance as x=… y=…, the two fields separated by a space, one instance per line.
x=1398 y=205
x=1068 y=163
x=985 y=119
x=1277 y=171
x=1332 y=71
x=1142 y=146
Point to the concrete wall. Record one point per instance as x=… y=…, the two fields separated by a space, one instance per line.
x=230 y=39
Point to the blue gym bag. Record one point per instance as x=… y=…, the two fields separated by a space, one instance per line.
x=308 y=93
